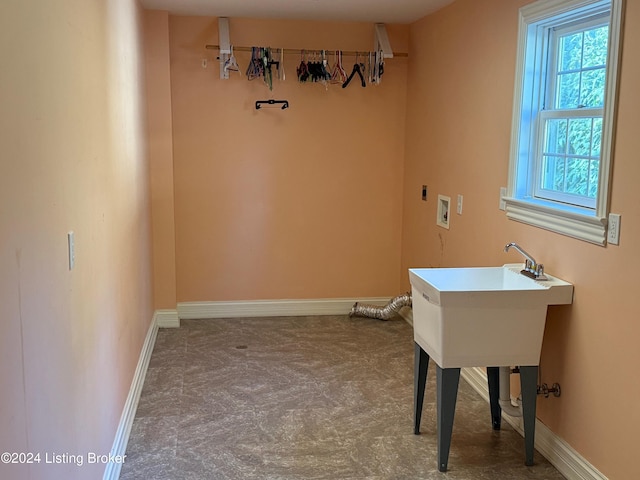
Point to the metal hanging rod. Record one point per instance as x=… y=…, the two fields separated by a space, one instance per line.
x=346 y=53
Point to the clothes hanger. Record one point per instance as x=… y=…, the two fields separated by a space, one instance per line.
x=338 y=75
x=231 y=64
x=265 y=56
x=281 y=72
x=326 y=76
x=357 y=68
x=303 y=68
x=255 y=68
x=379 y=66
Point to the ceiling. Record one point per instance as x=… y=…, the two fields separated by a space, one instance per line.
x=377 y=11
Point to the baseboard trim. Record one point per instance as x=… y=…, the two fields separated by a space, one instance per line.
x=273 y=308
x=112 y=471
x=568 y=462
x=167 y=319
x=407 y=314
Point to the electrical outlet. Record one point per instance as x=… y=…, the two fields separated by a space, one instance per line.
x=459 y=206
x=613 y=229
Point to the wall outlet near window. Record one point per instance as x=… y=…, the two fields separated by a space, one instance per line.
x=613 y=229
x=442 y=220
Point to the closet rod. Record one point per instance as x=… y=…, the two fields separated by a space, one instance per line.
x=347 y=53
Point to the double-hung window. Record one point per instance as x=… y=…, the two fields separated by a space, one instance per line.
x=564 y=113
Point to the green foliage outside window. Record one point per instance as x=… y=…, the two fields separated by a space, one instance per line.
x=571 y=156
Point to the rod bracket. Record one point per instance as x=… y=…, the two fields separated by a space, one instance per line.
x=382 y=43
x=224 y=47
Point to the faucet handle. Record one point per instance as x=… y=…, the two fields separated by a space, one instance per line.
x=539 y=272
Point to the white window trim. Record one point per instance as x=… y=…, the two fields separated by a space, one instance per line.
x=580 y=223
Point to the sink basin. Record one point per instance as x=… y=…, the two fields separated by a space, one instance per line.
x=482 y=316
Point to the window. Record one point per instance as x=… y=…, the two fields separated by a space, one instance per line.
x=564 y=112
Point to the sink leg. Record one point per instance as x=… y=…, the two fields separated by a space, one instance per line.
x=419 y=383
x=529 y=386
x=493 y=378
x=447 y=392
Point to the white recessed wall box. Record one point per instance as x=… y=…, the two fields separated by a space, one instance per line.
x=444 y=216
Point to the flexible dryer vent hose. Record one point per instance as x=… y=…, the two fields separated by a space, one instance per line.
x=382 y=313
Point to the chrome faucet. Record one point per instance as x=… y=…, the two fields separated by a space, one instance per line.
x=532 y=268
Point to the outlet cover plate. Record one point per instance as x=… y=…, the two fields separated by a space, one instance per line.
x=613 y=229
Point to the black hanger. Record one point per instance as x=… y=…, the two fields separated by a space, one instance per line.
x=357 y=68
x=303 y=68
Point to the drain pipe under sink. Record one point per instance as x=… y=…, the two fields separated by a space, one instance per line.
x=505 y=394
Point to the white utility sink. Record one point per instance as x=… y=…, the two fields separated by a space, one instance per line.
x=482 y=316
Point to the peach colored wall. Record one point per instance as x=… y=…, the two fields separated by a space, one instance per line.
x=73 y=158
x=302 y=203
x=160 y=148
x=458 y=133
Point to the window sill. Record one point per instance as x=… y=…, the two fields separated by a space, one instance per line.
x=589 y=228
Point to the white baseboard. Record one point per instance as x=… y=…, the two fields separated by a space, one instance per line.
x=167 y=318
x=568 y=462
x=273 y=308
x=407 y=314
x=112 y=471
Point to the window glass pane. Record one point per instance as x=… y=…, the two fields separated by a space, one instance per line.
x=577 y=176
x=595 y=47
x=553 y=173
x=579 y=137
x=597 y=137
x=592 y=88
x=594 y=171
x=568 y=90
x=556 y=141
x=570 y=52
x=568 y=164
